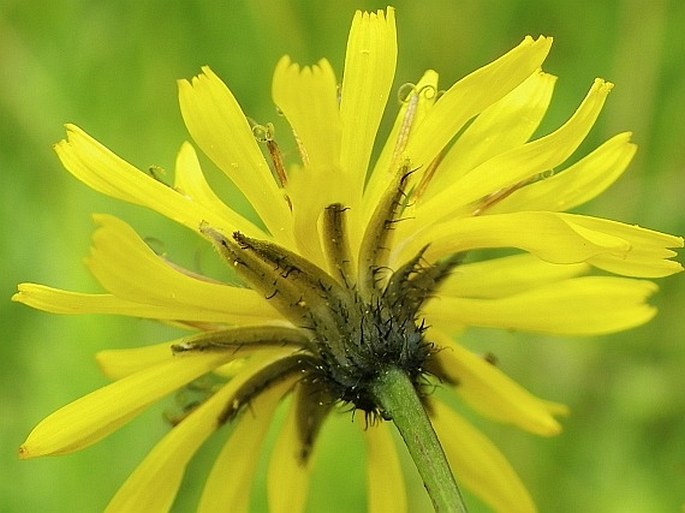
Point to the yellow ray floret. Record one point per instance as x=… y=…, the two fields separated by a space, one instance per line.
x=368 y=75
x=471 y=95
x=94 y=416
x=478 y=464
x=590 y=305
x=219 y=127
x=518 y=164
x=239 y=452
x=490 y=392
x=163 y=469
x=385 y=482
x=506 y=124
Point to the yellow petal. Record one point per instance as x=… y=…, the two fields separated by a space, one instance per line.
x=190 y=181
x=153 y=485
x=385 y=482
x=506 y=124
x=128 y=268
x=501 y=277
x=471 y=95
x=369 y=71
x=639 y=264
x=96 y=415
x=247 y=306
x=220 y=129
x=412 y=111
x=329 y=185
x=590 y=305
x=572 y=187
x=489 y=391
x=552 y=237
x=229 y=483
x=119 y=363
x=102 y=170
x=513 y=166
x=478 y=464
x=308 y=97
x=288 y=474
x=649 y=252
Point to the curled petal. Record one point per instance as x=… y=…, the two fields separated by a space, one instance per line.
x=478 y=464
x=590 y=305
x=557 y=238
x=649 y=250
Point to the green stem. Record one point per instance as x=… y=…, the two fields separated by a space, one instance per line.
x=399 y=401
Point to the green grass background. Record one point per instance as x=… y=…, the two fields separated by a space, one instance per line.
x=111 y=67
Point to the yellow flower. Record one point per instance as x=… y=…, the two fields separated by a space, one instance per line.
x=354 y=266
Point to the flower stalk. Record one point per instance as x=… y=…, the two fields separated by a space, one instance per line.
x=399 y=401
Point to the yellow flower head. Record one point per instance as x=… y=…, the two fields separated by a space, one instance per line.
x=356 y=265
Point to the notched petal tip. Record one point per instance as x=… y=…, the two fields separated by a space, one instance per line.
x=206 y=73
x=286 y=65
x=75 y=138
x=188 y=85
x=387 y=14
x=601 y=86
x=70 y=129
x=37 y=296
x=18 y=296
x=544 y=74
x=541 y=40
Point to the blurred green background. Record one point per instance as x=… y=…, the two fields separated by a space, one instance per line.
x=111 y=67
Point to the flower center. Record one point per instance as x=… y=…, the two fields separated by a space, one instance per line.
x=360 y=325
x=374 y=337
